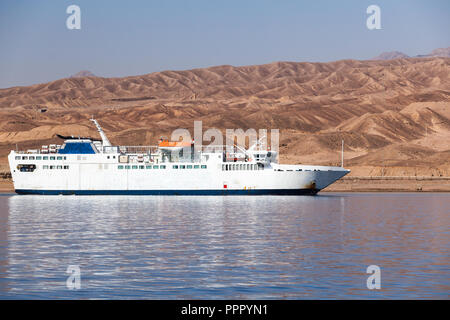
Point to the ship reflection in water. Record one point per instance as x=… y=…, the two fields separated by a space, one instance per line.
x=225 y=247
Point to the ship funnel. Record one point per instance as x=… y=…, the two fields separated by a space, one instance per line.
x=105 y=140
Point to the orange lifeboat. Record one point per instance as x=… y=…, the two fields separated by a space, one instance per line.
x=173 y=145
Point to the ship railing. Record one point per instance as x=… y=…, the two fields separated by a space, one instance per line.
x=35 y=151
x=109 y=149
x=226 y=148
x=137 y=149
x=217 y=148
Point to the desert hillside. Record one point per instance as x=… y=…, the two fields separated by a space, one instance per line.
x=394 y=115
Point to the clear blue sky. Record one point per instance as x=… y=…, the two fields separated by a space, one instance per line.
x=120 y=38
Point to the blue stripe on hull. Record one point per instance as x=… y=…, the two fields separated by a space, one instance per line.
x=293 y=192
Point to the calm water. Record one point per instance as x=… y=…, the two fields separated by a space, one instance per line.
x=225 y=247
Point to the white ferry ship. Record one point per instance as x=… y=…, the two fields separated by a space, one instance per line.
x=85 y=166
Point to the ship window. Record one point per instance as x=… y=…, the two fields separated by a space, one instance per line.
x=107 y=157
x=134 y=167
x=127 y=167
x=24 y=158
x=52 y=158
x=58 y=158
x=44 y=167
x=182 y=167
x=148 y=167
x=120 y=167
x=31 y=158
x=175 y=167
x=17 y=157
x=189 y=166
x=59 y=167
x=196 y=166
x=163 y=167
x=26 y=167
x=203 y=166
x=52 y=167
x=38 y=158
x=66 y=167
x=45 y=158
x=155 y=167
x=141 y=167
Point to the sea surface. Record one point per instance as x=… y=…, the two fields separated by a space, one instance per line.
x=232 y=247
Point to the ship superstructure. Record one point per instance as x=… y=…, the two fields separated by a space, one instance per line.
x=85 y=166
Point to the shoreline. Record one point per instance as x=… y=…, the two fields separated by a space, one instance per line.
x=390 y=184
x=354 y=184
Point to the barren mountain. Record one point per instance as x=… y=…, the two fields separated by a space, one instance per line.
x=83 y=73
x=394 y=115
x=440 y=52
x=391 y=55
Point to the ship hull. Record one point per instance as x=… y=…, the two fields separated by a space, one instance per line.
x=280 y=192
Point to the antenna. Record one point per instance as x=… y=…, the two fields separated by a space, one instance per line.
x=105 y=140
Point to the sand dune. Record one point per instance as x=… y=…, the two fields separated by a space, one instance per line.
x=392 y=114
